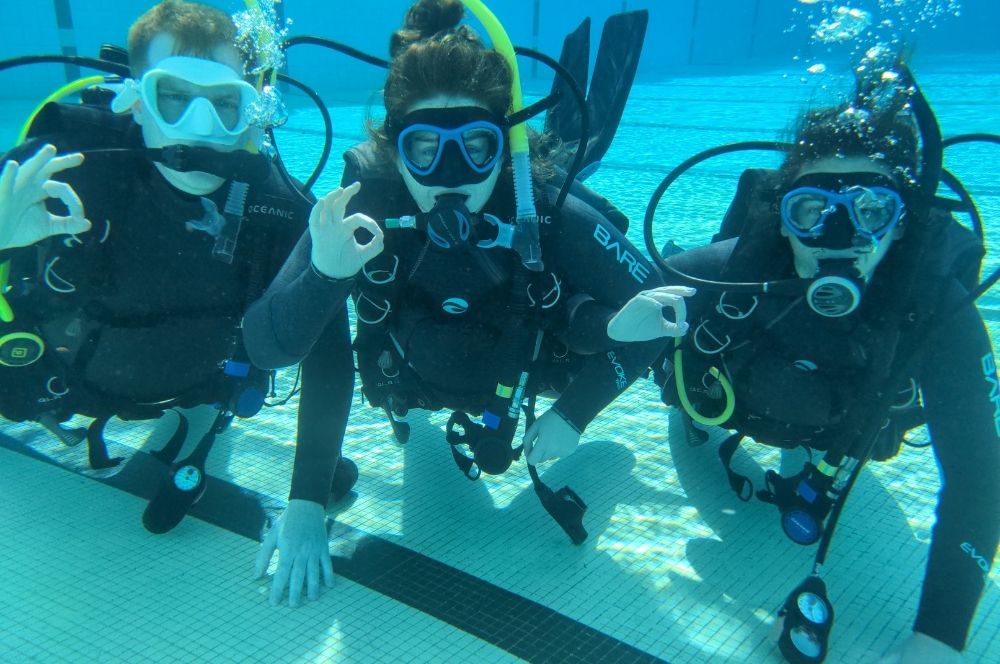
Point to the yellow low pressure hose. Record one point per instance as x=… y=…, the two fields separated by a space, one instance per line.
x=6 y=313
x=727 y=389
x=67 y=89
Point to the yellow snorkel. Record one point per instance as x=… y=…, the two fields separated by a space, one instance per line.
x=254 y=7
x=524 y=193
x=65 y=90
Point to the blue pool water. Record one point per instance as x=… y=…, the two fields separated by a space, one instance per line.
x=669 y=119
x=647 y=576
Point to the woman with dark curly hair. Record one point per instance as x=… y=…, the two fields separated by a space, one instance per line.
x=467 y=309
x=866 y=330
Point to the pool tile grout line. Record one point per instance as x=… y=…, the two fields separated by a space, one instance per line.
x=524 y=628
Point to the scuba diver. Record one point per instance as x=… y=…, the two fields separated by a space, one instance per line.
x=132 y=240
x=480 y=299
x=835 y=311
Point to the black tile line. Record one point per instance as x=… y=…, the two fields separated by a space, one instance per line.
x=520 y=626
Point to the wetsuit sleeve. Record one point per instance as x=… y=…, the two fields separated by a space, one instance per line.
x=962 y=404
x=327 y=369
x=281 y=327
x=324 y=406
x=603 y=270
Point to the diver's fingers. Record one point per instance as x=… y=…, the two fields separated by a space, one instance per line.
x=673 y=300
x=338 y=205
x=312 y=579
x=33 y=166
x=280 y=580
x=674 y=329
x=65 y=193
x=61 y=163
x=265 y=553
x=327 y=565
x=663 y=293
x=296 y=581
x=530 y=436
x=75 y=222
x=369 y=250
x=67 y=225
x=359 y=220
x=320 y=210
x=7 y=179
x=372 y=247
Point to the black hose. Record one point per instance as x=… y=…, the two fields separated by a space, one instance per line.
x=971 y=138
x=787 y=286
x=93 y=63
x=335 y=46
x=327 y=126
x=953 y=183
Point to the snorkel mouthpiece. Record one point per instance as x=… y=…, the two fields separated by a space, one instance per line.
x=237 y=165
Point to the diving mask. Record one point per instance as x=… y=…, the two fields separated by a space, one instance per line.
x=840 y=226
x=450 y=147
x=869 y=202
x=192 y=100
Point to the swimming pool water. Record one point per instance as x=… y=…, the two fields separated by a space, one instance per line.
x=675 y=565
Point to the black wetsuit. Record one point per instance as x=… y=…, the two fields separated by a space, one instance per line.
x=792 y=367
x=151 y=314
x=449 y=307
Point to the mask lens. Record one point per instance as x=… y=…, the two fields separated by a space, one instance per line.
x=420 y=147
x=874 y=209
x=804 y=211
x=174 y=96
x=228 y=104
x=482 y=145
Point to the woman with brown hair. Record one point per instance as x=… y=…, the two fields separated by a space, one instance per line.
x=465 y=309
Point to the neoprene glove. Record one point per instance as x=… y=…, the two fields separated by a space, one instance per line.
x=303 y=546
x=336 y=253
x=550 y=437
x=24 y=188
x=641 y=319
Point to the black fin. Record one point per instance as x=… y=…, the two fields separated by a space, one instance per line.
x=614 y=72
x=563 y=120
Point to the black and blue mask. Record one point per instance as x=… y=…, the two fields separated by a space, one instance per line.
x=450 y=147
x=841 y=224
x=841 y=210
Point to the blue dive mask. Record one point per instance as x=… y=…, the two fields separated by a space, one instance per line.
x=450 y=147
x=835 y=210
